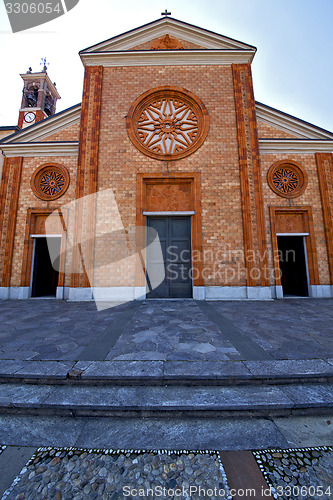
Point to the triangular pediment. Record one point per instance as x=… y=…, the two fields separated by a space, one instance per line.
x=61 y=127
x=282 y=125
x=189 y=35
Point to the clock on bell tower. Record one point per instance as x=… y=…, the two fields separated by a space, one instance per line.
x=39 y=98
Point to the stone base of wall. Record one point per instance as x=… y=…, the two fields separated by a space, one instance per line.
x=127 y=294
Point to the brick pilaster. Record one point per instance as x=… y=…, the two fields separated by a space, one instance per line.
x=325 y=175
x=87 y=171
x=9 y=200
x=250 y=178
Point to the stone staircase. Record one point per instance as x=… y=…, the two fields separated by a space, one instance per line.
x=167 y=388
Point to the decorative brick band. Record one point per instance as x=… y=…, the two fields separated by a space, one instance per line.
x=250 y=178
x=87 y=166
x=325 y=176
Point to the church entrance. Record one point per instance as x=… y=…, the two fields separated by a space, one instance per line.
x=45 y=276
x=175 y=239
x=292 y=261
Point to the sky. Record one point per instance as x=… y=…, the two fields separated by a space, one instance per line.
x=292 y=70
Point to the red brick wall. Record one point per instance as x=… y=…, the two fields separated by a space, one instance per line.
x=311 y=197
x=216 y=160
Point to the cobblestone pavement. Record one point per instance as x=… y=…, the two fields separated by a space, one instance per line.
x=84 y=474
x=106 y=474
x=298 y=473
x=163 y=330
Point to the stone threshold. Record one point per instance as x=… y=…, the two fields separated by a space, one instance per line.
x=172 y=372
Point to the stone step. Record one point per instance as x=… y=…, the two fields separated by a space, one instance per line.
x=157 y=372
x=166 y=401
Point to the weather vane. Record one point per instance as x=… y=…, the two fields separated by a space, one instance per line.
x=166 y=13
x=44 y=63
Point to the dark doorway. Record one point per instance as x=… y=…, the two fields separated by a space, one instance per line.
x=45 y=276
x=293 y=266
x=175 y=239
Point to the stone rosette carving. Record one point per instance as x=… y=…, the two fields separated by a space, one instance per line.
x=167 y=123
x=50 y=181
x=287 y=178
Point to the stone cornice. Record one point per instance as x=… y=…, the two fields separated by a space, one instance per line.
x=290 y=124
x=167 y=57
x=29 y=149
x=301 y=146
x=47 y=127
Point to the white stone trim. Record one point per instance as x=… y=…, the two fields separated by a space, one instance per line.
x=40 y=149
x=167 y=58
x=14 y=292
x=140 y=293
x=46 y=235
x=292 y=234
x=259 y=293
x=49 y=126
x=4 y=292
x=292 y=146
x=118 y=293
x=225 y=292
x=172 y=27
x=279 y=291
x=199 y=293
x=290 y=124
x=321 y=291
x=238 y=293
x=80 y=294
x=190 y=212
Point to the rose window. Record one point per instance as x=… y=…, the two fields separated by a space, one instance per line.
x=287 y=179
x=49 y=182
x=167 y=123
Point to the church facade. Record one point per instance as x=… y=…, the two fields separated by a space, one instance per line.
x=168 y=181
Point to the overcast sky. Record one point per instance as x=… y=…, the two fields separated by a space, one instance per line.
x=292 y=69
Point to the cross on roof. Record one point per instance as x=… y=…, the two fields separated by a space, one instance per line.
x=166 y=13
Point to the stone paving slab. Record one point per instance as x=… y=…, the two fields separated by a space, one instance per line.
x=306 y=431
x=287 y=329
x=206 y=370
x=228 y=372
x=166 y=330
x=289 y=368
x=92 y=398
x=310 y=394
x=181 y=433
x=9 y=366
x=49 y=369
x=177 y=398
x=213 y=398
x=24 y=430
x=24 y=395
x=145 y=370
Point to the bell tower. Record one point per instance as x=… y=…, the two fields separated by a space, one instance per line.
x=39 y=98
